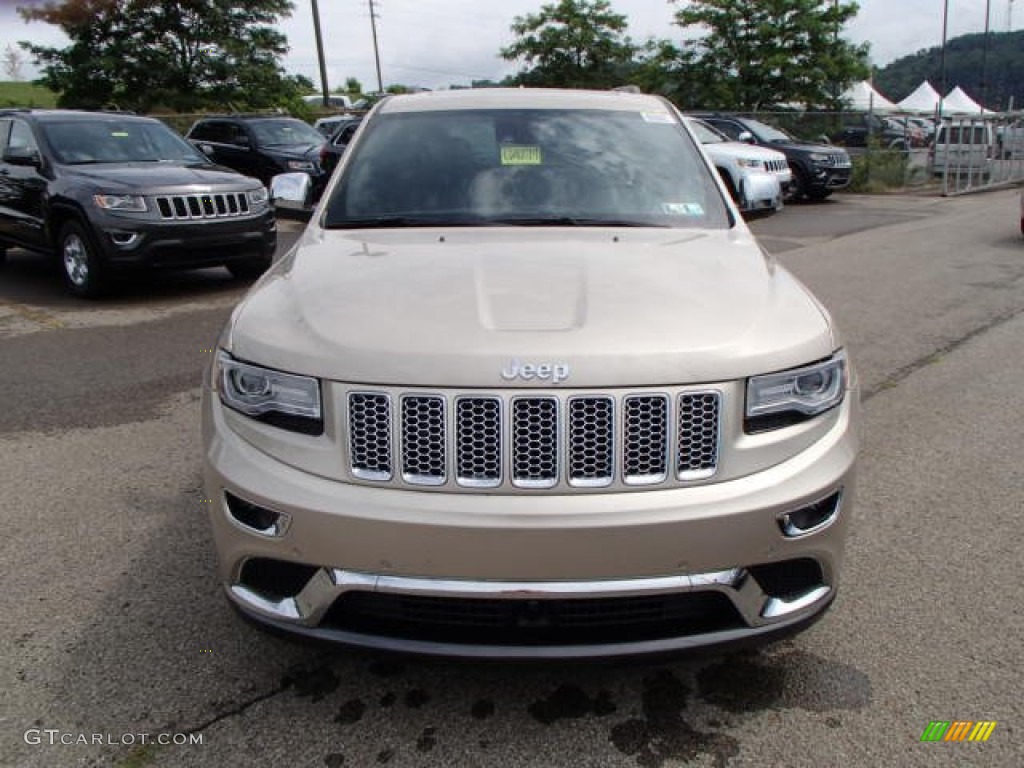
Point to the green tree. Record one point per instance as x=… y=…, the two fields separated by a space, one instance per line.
x=768 y=53
x=352 y=88
x=185 y=55
x=572 y=44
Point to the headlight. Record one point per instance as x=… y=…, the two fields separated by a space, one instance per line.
x=780 y=399
x=135 y=203
x=257 y=196
x=283 y=399
x=818 y=157
x=300 y=165
x=746 y=162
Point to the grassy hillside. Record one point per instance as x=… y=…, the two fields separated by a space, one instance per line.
x=18 y=94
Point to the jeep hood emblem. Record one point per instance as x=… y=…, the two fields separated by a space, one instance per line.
x=556 y=373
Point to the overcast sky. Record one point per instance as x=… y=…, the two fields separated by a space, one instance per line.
x=434 y=43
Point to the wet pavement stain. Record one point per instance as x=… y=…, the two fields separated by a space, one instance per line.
x=416 y=698
x=351 y=712
x=569 y=702
x=427 y=740
x=663 y=735
x=788 y=680
x=385 y=755
x=482 y=709
x=315 y=683
x=388 y=700
x=334 y=760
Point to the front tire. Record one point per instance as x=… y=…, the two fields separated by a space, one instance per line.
x=80 y=264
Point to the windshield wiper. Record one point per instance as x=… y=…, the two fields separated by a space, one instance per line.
x=564 y=221
x=387 y=222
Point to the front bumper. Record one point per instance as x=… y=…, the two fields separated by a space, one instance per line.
x=127 y=242
x=528 y=576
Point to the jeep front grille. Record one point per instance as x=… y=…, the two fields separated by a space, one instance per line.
x=777 y=166
x=533 y=441
x=209 y=206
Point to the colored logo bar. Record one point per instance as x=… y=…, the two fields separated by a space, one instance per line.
x=958 y=730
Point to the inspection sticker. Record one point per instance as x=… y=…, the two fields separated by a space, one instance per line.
x=520 y=155
x=683 y=209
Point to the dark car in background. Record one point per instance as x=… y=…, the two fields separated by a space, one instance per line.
x=109 y=191
x=818 y=169
x=261 y=146
x=888 y=132
x=331 y=152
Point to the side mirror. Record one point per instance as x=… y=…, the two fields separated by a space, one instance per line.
x=290 y=191
x=746 y=137
x=23 y=156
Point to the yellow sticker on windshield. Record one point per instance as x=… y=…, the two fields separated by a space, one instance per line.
x=520 y=155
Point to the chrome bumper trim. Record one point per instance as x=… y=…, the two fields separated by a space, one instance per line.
x=308 y=607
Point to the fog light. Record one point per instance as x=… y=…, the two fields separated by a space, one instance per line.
x=124 y=239
x=812 y=518
x=261 y=520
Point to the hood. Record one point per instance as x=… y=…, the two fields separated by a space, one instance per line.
x=807 y=146
x=292 y=151
x=453 y=308
x=738 y=149
x=153 y=178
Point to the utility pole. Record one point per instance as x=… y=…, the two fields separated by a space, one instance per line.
x=942 y=65
x=984 y=54
x=376 y=50
x=324 y=89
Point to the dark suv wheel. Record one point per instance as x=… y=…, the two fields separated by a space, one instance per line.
x=80 y=265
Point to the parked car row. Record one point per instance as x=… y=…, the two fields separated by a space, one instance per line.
x=110 y=191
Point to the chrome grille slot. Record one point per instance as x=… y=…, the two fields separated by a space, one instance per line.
x=211 y=206
x=478 y=442
x=591 y=441
x=535 y=438
x=697 y=434
x=423 y=440
x=369 y=435
x=645 y=439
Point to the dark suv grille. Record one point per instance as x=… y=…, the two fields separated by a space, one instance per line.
x=209 y=206
x=533 y=441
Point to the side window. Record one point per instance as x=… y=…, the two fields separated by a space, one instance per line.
x=732 y=130
x=5 y=130
x=238 y=134
x=21 y=137
x=200 y=132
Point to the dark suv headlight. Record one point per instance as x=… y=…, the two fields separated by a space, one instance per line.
x=779 y=399
x=282 y=399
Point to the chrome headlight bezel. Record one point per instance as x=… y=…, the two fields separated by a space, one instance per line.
x=286 y=400
x=789 y=397
x=258 y=196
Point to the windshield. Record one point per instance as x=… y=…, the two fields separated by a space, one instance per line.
x=767 y=133
x=528 y=168
x=110 y=140
x=285 y=131
x=706 y=134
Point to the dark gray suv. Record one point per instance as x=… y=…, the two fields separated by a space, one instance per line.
x=109 y=191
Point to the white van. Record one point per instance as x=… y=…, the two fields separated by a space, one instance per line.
x=962 y=148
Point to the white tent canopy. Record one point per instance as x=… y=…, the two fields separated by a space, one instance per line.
x=923 y=99
x=862 y=96
x=959 y=103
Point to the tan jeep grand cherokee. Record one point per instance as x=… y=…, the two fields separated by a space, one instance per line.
x=528 y=387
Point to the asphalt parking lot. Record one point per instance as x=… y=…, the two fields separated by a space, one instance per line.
x=115 y=625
